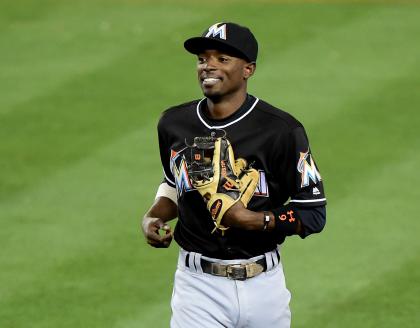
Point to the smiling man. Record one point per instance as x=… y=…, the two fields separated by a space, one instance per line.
x=233 y=218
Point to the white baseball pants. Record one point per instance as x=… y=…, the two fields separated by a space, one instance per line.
x=202 y=300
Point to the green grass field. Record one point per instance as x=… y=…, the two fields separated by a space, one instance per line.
x=82 y=85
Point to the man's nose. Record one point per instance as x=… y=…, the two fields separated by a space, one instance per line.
x=209 y=65
x=208 y=68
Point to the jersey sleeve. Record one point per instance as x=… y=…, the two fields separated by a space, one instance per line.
x=304 y=186
x=304 y=179
x=165 y=154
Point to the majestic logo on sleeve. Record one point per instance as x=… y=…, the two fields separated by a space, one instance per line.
x=217 y=31
x=307 y=168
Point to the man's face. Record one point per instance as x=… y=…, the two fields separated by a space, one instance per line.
x=221 y=74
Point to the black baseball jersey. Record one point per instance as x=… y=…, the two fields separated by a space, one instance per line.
x=277 y=146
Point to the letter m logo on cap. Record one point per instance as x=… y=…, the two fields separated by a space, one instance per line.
x=217 y=31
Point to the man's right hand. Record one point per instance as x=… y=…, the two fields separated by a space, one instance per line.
x=151 y=229
x=162 y=210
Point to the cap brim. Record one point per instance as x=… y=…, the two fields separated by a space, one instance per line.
x=197 y=45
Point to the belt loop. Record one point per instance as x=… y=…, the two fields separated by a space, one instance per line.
x=191 y=261
x=268 y=260
x=275 y=257
x=197 y=262
x=182 y=258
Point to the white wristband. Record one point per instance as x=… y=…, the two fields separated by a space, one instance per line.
x=167 y=191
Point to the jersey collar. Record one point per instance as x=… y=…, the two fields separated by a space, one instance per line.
x=242 y=112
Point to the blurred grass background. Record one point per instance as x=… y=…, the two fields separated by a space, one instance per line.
x=82 y=85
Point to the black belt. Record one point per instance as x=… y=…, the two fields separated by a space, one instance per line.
x=233 y=271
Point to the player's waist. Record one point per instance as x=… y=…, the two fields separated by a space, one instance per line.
x=240 y=269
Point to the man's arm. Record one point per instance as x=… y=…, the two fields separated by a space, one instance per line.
x=162 y=211
x=300 y=221
x=305 y=213
x=165 y=207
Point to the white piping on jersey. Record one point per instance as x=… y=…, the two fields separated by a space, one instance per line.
x=227 y=124
x=307 y=200
x=164 y=173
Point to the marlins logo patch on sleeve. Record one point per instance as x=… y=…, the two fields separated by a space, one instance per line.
x=307 y=169
x=179 y=171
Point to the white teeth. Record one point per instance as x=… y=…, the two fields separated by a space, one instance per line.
x=210 y=81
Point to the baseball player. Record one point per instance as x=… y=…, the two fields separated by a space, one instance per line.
x=240 y=177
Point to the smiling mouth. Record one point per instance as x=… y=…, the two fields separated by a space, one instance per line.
x=210 y=81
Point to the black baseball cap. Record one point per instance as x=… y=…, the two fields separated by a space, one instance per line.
x=226 y=36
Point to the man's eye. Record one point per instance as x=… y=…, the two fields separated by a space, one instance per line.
x=201 y=60
x=223 y=59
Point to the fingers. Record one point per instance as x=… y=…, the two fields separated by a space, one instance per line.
x=166 y=237
x=161 y=242
x=165 y=240
x=153 y=236
x=166 y=228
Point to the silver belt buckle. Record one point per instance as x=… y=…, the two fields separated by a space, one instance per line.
x=236 y=271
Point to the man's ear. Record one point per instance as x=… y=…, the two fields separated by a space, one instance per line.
x=249 y=69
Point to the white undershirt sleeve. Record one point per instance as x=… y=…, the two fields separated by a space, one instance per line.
x=167 y=191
